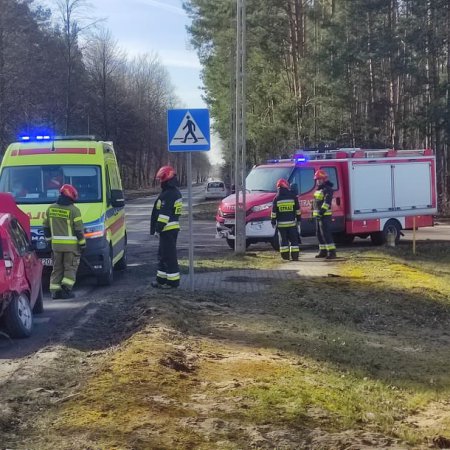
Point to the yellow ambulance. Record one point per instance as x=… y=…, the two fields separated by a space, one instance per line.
x=34 y=168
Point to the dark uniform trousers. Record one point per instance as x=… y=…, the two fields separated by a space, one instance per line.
x=323 y=232
x=168 y=269
x=289 y=242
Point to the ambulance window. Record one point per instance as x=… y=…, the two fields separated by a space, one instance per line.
x=332 y=176
x=114 y=180
x=304 y=179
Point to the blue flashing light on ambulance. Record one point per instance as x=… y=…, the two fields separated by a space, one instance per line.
x=373 y=194
x=34 y=168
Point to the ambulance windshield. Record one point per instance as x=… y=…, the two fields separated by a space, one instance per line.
x=41 y=184
x=264 y=179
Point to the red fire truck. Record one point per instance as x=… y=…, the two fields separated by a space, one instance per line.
x=376 y=193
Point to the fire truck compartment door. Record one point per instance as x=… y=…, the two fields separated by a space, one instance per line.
x=412 y=185
x=371 y=188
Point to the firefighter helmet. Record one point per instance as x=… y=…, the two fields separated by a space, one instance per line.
x=69 y=191
x=320 y=175
x=165 y=173
x=282 y=183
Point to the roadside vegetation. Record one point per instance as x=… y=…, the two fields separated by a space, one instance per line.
x=355 y=360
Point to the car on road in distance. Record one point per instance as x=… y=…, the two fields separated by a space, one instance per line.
x=20 y=271
x=215 y=190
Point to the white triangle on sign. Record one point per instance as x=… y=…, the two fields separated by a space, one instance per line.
x=188 y=133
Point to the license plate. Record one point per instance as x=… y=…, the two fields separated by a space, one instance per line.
x=48 y=262
x=228 y=221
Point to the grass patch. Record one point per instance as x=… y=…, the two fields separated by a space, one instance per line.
x=251 y=260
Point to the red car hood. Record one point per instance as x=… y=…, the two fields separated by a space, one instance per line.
x=251 y=199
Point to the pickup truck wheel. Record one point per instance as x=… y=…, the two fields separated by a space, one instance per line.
x=107 y=278
x=38 y=307
x=18 y=318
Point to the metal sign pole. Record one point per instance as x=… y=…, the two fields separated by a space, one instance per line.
x=191 y=231
x=240 y=129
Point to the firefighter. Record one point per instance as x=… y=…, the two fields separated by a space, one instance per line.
x=63 y=226
x=165 y=224
x=286 y=215
x=322 y=213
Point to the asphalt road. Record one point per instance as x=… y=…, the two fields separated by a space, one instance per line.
x=61 y=317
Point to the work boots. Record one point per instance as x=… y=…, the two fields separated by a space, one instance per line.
x=66 y=293
x=331 y=254
x=322 y=254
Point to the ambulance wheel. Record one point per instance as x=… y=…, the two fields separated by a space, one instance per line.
x=230 y=243
x=38 y=307
x=107 y=278
x=18 y=318
x=122 y=263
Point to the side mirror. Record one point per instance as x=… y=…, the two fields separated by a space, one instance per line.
x=233 y=189
x=294 y=188
x=117 y=198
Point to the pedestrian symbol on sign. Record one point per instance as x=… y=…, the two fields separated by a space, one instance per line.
x=190 y=125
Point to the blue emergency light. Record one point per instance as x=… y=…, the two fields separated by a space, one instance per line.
x=39 y=137
x=299 y=158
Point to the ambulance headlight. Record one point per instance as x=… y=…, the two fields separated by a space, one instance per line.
x=94 y=231
x=262 y=207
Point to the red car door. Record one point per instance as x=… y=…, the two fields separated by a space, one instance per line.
x=32 y=265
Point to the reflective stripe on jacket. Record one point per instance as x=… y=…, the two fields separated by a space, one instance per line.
x=322 y=200
x=63 y=226
x=167 y=210
x=285 y=209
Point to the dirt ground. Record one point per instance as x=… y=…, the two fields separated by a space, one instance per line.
x=359 y=360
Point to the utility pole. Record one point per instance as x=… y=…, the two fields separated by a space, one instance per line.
x=240 y=128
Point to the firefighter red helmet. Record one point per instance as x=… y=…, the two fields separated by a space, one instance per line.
x=165 y=173
x=282 y=183
x=320 y=175
x=69 y=191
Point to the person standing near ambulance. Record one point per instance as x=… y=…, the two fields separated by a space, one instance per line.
x=63 y=226
x=286 y=215
x=165 y=224
x=323 y=197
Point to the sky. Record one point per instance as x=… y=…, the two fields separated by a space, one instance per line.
x=159 y=26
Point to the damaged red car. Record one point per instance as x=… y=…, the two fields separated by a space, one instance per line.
x=20 y=271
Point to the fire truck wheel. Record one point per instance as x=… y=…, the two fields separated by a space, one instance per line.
x=343 y=238
x=392 y=227
x=275 y=242
x=230 y=243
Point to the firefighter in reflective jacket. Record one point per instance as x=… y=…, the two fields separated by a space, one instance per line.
x=323 y=197
x=286 y=215
x=165 y=223
x=63 y=226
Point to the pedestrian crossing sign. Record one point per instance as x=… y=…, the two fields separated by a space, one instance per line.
x=188 y=130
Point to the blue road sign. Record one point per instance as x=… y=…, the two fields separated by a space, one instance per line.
x=188 y=130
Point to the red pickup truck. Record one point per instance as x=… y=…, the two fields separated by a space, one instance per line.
x=20 y=271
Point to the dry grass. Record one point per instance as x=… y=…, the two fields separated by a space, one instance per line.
x=361 y=359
